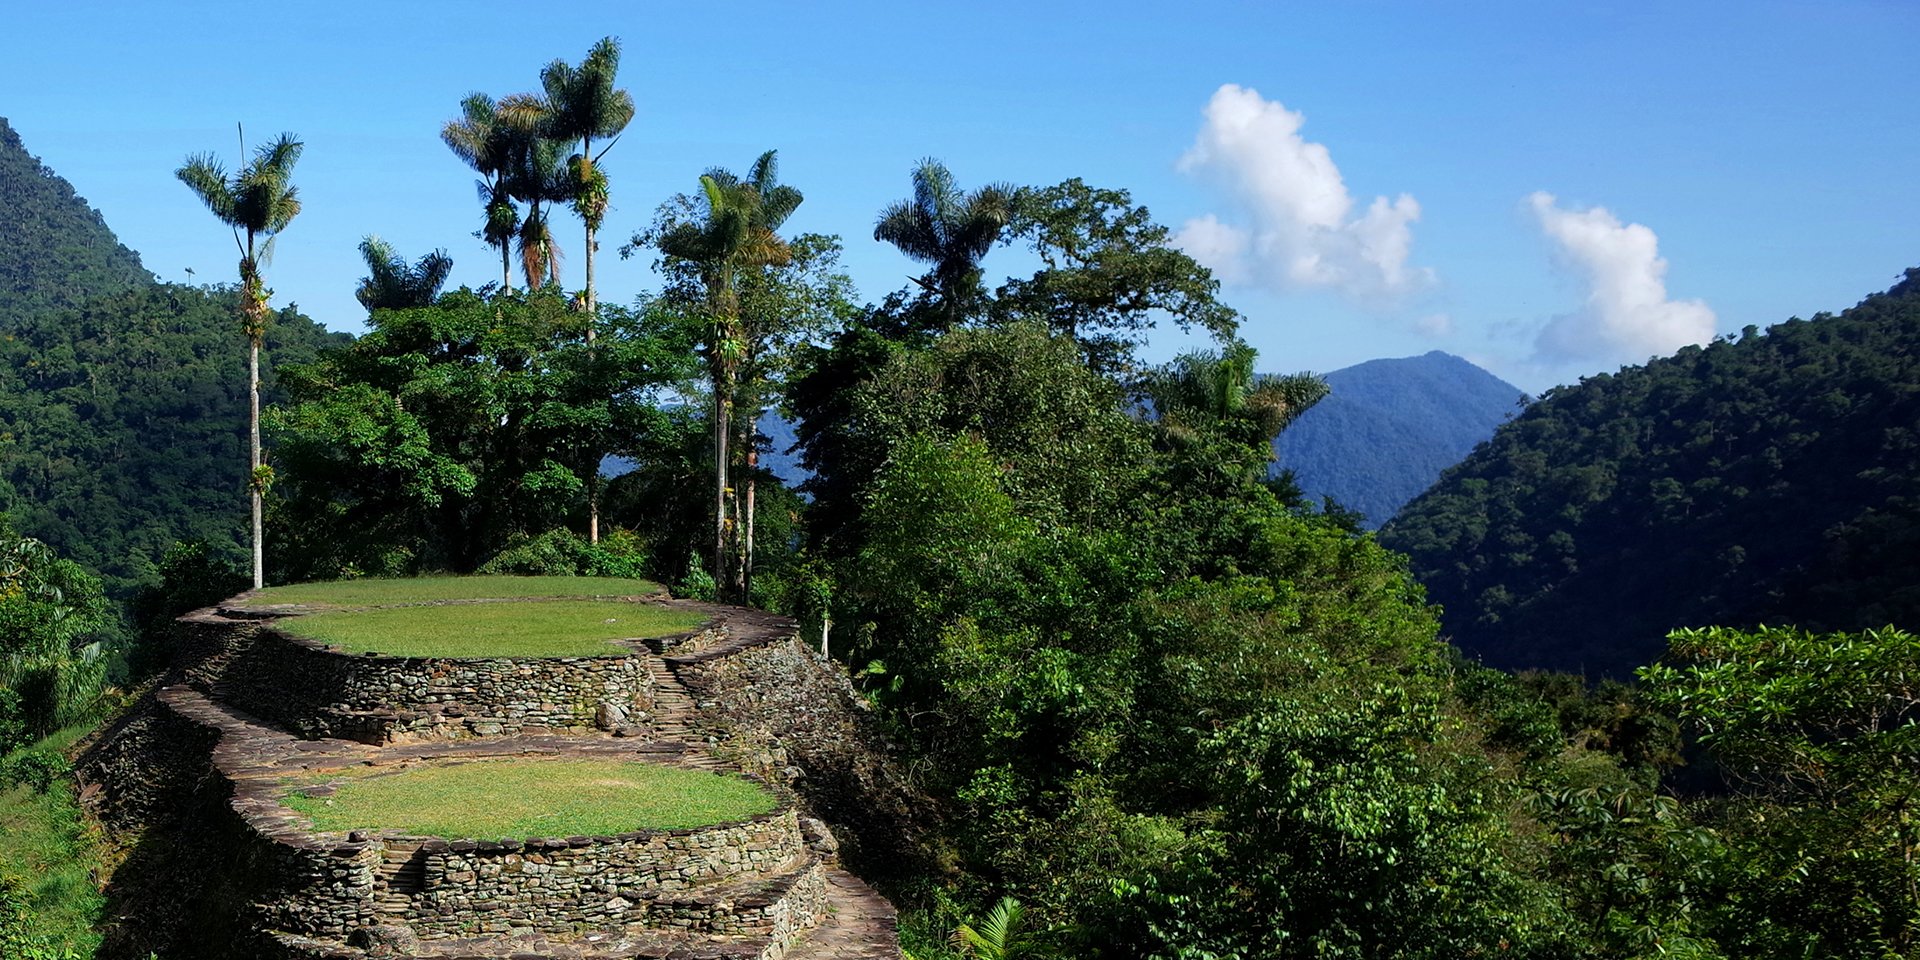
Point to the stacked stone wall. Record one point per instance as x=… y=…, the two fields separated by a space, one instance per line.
x=587 y=883
x=792 y=716
x=319 y=693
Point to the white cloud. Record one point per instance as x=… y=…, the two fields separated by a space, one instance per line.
x=1299 y=227
x=1627 y=316
x=1435 y=325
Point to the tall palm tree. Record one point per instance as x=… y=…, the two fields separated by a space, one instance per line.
x=391 y=284
x=583 y=105
x=485 y=141
x=735 y=230
x=258 y=202
x=536 y=175
x=1200 y=391
x=950 y=230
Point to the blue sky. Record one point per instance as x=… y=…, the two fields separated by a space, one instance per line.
x=1560 y=190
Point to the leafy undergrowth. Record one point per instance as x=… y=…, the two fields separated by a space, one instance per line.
x=48 y=900
x=545 y=628
x=368 y=593
x=531 y=798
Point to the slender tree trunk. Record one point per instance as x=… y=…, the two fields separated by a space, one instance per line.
x=593 y=506
x=746 y=558
x=593 y=298
x=506 y=265
x=253 y=461
x=721 y=411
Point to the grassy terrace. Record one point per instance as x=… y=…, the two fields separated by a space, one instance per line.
x=376 y=593
x=542 y=628
x=490 y=799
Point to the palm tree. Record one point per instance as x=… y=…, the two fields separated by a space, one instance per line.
x=258 y=202
x=583 y=105
x=536 y=175
x=949 y=229
x=485 y=141
x=735 y=231
x=1200 y=391
x=391 y=284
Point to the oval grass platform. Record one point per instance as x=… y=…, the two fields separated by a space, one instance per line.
x=528 y=628
x=377 y=593
x=528 y=798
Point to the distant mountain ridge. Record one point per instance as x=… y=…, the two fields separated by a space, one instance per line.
x=1760 y=479
x=55 y=250
x=123 y=402
x=1390 y=427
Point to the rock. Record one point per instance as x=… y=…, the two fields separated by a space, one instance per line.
x=386 y=940
x=609 y=716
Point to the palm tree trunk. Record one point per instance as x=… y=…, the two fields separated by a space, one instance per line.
x=593 y=506
x=253 y=472
x=721 y=414
x=746 y=561
x=506 y=266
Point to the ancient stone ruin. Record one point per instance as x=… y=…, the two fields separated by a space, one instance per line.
x=218 y=865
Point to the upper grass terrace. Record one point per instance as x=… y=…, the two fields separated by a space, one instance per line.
x=385 y=593
x=473 y=617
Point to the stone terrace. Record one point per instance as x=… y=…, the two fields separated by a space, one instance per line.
x=280 y=710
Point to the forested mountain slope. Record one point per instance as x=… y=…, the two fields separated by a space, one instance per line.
x=1390 y=427
x=123 y=423
x=55 y=250
x=1774 y=478
x=123 y=403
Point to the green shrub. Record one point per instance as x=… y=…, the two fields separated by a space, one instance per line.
x=564 y=553
x=34 y=768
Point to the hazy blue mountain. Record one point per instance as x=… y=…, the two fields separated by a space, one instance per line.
x=1390 y=427
x=784 y=465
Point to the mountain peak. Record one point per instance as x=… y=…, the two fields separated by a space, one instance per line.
x=1390 y=427
x=55 y=250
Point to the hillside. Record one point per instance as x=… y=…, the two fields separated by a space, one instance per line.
x=1389 y=427
x=55 y=250
x=123 y=403
x=1769 y=478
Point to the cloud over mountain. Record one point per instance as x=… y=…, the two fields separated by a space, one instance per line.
x=1628 y=316
x=1294 y=224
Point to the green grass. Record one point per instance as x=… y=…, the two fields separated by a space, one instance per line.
x=45 y=848
x=371 y=593
x=532 y=798
x=542 y=628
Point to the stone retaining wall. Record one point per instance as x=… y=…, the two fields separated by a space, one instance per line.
x=792 y=716
x=585 y=883
x=318 y=693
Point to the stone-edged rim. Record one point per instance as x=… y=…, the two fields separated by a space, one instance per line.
x=258 y=795
x=337 y=840
x=717 y=618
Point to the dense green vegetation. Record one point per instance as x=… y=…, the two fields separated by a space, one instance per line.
x=1388 y=428
x=124 y=424
x=534 y=628
x=1769 y=478
x=48 y=900
x=57 y=252
x=488 y=799
x=1166 y=702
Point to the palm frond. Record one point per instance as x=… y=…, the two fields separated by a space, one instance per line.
x=997 y=937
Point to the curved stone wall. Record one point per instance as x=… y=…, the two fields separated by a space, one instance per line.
x=319 y=692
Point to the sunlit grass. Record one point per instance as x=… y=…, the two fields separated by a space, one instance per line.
x=368 y=593
x=489 y=799
x=45 y=847
x=534 y=628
